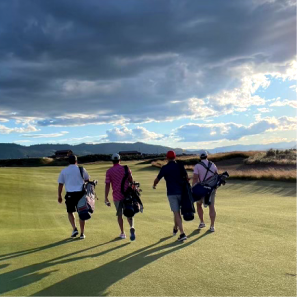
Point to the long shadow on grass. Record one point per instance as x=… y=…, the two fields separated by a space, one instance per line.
x=29 y=274
x=95 y=282
x=34 y=250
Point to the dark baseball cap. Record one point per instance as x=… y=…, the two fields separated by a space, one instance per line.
x=72 y=159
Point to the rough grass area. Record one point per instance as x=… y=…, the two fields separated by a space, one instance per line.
x=189 y=160
x=87 y=159
x=242 y=165
x=192 y=160
x=33 y=162
x=269 y=173
x=252 y=252
x=273 y=157
x=219 y=157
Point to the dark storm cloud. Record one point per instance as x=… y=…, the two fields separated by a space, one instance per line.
x=114 y=59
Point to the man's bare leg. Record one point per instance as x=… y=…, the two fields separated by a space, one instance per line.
x=212 y=215
x=131 y=222
x=121 y=223
x=132 y=229
x=82 y=226
x=71 y=220
x=178 y=221
x=200 y=211
x=175 y=222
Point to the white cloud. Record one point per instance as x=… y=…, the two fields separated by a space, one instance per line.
x=294 y=87
x=241 y=97
x=6 y=130
x=22 y=141
x=286 y=102
x=125 y=134
x=50 y=135
x=82 y=120
x=285 y=123
x=232 y=131
x=264 y=110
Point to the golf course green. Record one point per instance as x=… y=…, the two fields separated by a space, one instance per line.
x=252 y=252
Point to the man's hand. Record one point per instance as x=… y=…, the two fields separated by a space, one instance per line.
x=60 y=199
x=107 y=202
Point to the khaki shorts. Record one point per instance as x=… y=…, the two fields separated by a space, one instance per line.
x=119 y=205
x=174 y=201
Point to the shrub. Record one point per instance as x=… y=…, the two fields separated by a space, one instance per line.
x=271 y=153
x=273 y=157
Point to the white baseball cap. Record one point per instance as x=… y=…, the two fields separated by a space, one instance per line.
x=203 y=154
x=115 y=156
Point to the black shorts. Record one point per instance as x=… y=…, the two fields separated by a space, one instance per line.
x=71 y=200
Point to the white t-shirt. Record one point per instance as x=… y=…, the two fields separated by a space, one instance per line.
x=71 y=178
x=201 y=171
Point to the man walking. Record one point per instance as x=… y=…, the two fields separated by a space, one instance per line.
x=202 y=172
x=114 y=176
x=73 y=179
x=173 y=177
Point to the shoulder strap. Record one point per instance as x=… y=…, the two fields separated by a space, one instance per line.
x=81 y=170
x=124 y=179
x=207 y=168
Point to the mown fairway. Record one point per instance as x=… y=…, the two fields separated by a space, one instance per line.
x=252 y=251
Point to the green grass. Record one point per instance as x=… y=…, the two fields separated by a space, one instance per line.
x=252 y=252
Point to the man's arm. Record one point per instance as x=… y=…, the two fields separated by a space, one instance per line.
x=107 y=188
x=60 y=188
x=86 y=176
x=159 y=177
x=130 y=177
x=156 y=181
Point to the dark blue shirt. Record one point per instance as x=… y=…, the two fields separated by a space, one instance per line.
x=172 y=174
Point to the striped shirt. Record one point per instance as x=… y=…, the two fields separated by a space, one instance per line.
x=114 y=175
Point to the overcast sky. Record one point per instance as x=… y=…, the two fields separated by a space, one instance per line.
x=187 y=74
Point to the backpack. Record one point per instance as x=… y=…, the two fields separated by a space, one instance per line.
x=131 y=203
x=205 y=188
x=86 y=205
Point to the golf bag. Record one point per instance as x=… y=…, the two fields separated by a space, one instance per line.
x=131 y=203
x=204 y=189
x=86 y=205
x=187 y=206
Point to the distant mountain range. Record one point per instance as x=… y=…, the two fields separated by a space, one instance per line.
x=254 y=147
x=16 y=151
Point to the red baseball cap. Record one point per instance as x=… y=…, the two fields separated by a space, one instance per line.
x=170 y=155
